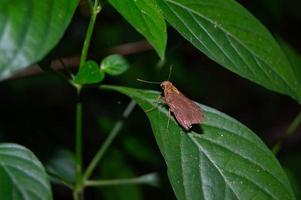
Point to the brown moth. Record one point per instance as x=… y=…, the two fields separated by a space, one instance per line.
x=184 y=109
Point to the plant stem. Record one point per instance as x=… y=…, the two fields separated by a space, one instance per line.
x=112 y=135
x=151 y=179
x=75 y=195
x=79 y=188
x=78 y=140
x=289 y=132
x=96 y=9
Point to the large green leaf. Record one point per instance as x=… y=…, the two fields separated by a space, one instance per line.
x=30 y=29
x=22 y=176
x=227 y=33
x=147 y=19
x=225 y=160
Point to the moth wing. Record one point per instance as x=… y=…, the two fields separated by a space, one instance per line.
x=184 y=109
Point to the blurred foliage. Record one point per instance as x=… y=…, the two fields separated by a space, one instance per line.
x=115 y=166
x=61 y=166
x=38 y=111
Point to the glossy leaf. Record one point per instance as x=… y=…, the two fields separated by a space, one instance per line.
x=22 y=176
x=146 y=18
x=114 y=65
x=29 y=30
x=89 y=73
x=222 y=160
x=227 y=33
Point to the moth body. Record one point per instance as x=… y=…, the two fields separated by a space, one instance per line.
x=184 y=109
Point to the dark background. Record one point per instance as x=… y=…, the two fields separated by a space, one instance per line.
x=38 y=111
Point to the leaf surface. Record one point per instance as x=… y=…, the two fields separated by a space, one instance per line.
x=146 y=18
x=222 y=159
x=114 y=65
x=89 y=73
x=29 y=30
x=230 y=35
x=294 y=58
x=22 y=176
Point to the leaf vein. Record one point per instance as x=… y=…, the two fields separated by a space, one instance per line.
x=244 y=158
x=213 y=163
x=24 y=194
x=226 y=32
x=192 y=32
x=214 y=41
x=24 y=171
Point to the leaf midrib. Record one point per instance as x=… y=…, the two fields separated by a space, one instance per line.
x=27 y=174
x=24 y=194
x=236 y=39
x=242 y=157
x=202 y=150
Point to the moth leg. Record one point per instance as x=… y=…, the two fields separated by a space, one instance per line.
x=150 y=109
x=154 y=107
x=169 y=115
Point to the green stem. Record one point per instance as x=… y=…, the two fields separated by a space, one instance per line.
x=108 y=141
x=75 y=195
x=78 y=141
x=78 y=190
x=96 y=9
x=151 y=179
x=289 y=132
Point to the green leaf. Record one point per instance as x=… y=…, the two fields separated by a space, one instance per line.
x=292 y=165
x=89 y=73
x=293 y=57
x=230 y=35
x=61 y=167
x=225 y=160
x=29 y=30
x=146 y=18
x=22 y=176
x=114 y=65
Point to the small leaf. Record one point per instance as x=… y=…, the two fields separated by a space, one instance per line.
x=225 y=160
x=147 y=19
x=230 y=35
x=29 y=30
x=89 y=73
x=61 y=167
x=114 y=65
x=22 y=176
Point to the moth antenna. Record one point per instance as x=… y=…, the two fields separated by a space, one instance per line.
x=151 y=82
x=170 y=70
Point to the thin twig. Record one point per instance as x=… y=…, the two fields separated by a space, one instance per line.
x=78 y=141
x=151 y=179
x=289 y=132
x=112 y=135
